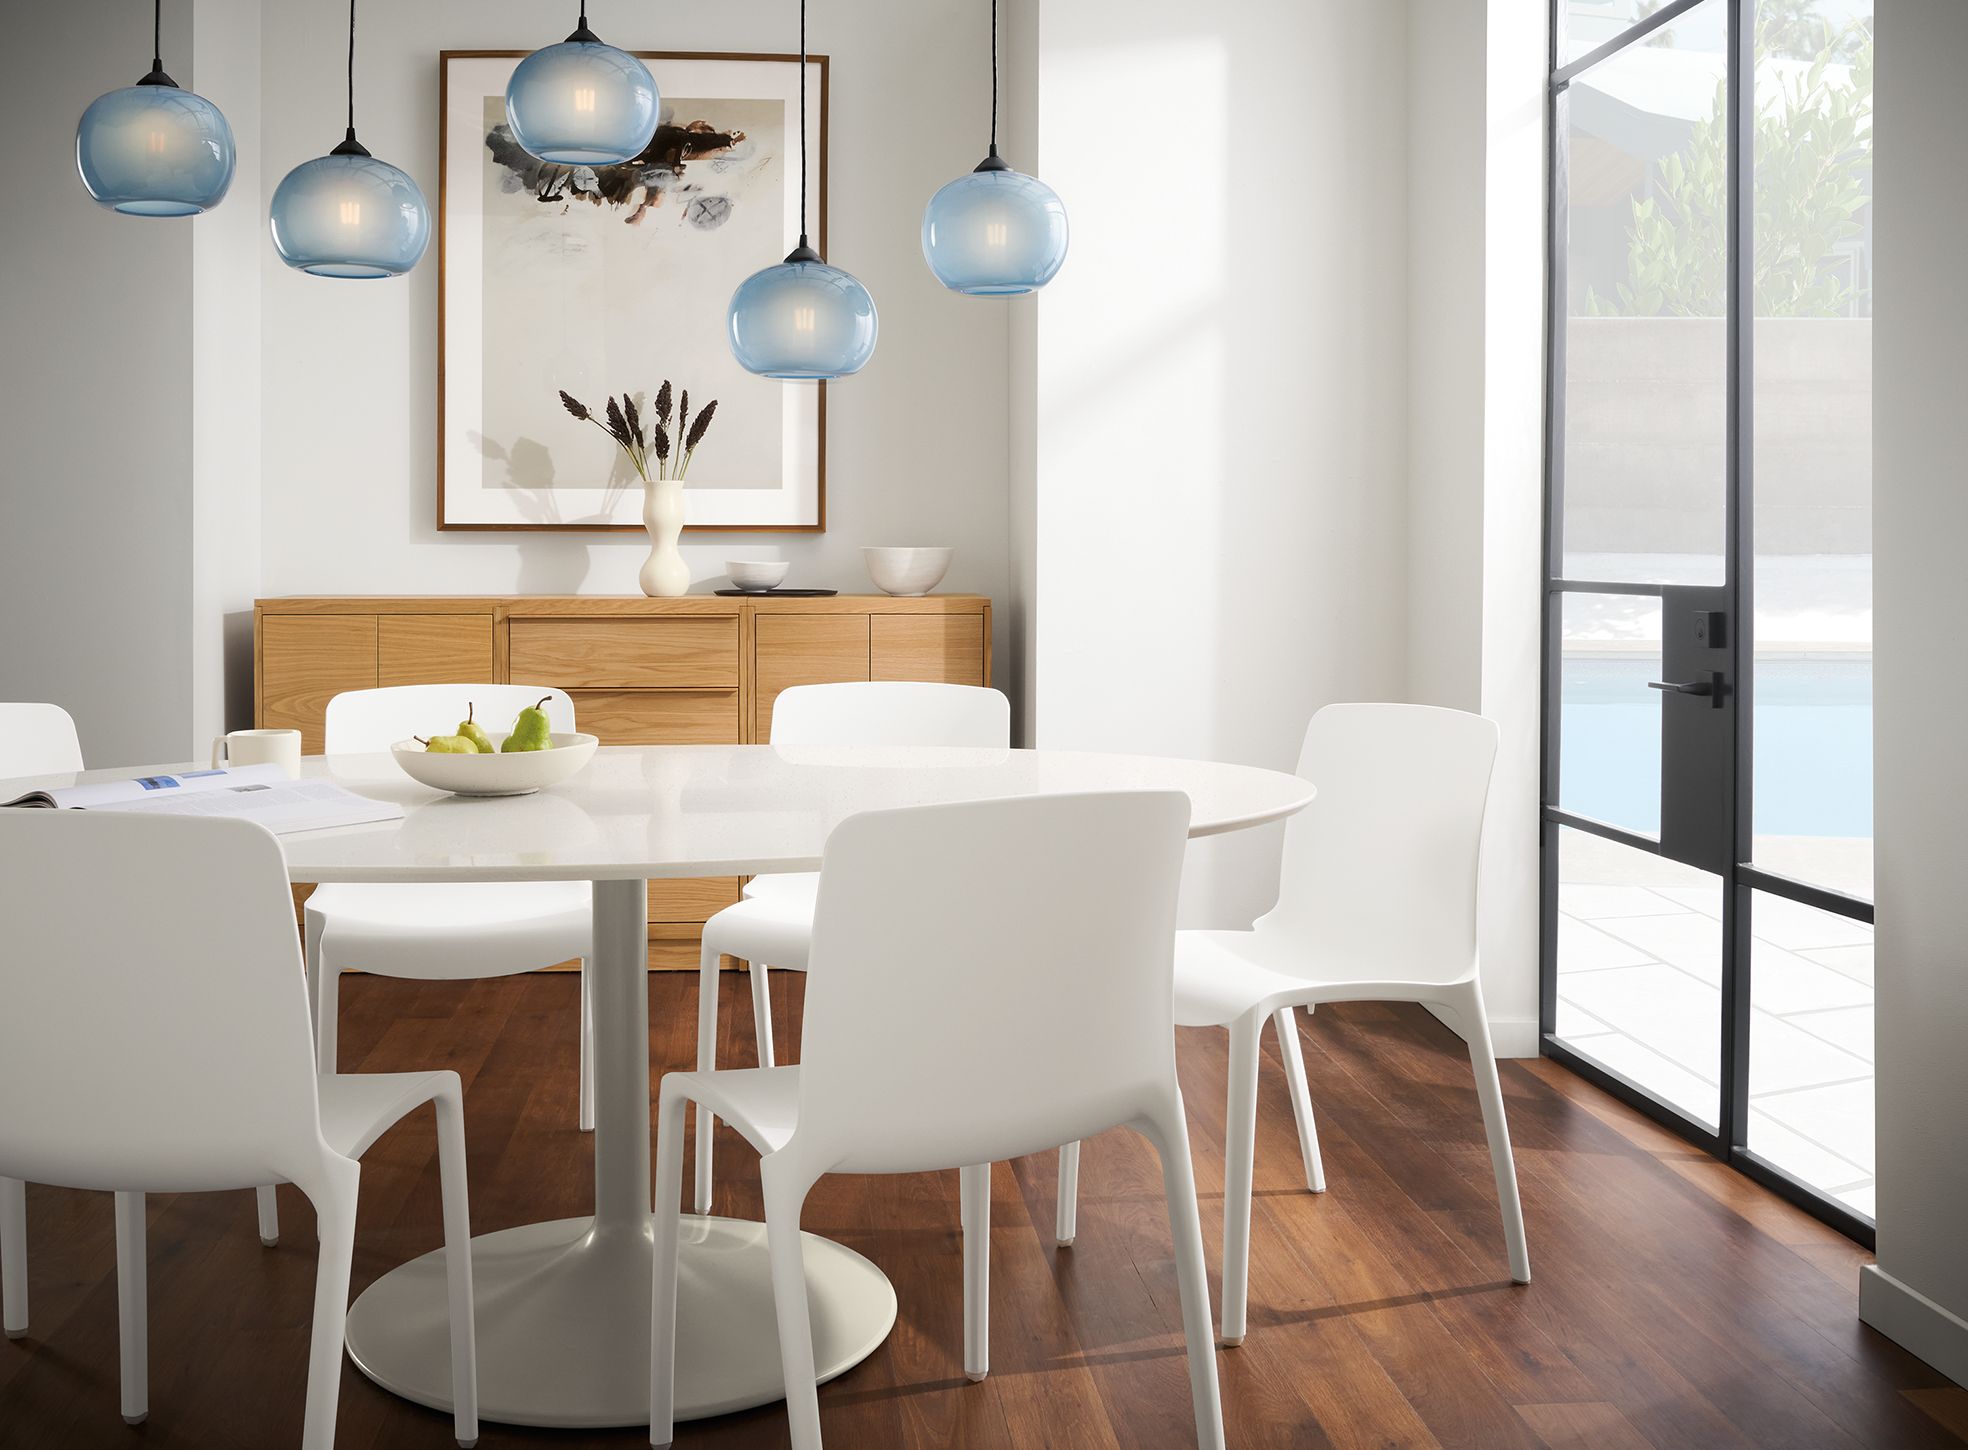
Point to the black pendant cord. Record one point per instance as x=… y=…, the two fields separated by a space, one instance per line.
x=157 y=76
x=581 y=32
x=994 y=77
x=992 y=161
x=804 y=251
x=350 y=146
x=802 y=122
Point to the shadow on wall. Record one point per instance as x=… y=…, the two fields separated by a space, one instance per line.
x=1222 y=394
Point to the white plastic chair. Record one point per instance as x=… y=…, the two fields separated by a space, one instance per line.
x=991 y=979
x=1377 y=903
x=443 y=931
x=40 y=739
x=181 y=1062
x=774 y=923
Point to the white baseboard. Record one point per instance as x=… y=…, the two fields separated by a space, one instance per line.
x=1914 y=1322
x=1510 y=1036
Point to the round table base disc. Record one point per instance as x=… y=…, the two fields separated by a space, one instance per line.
x=563 y=1322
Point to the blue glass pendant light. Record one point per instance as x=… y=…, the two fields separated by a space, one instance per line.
x=582 y=103
x=995 y=232
x=347 y=214
x=802 y=320
x=152 y=149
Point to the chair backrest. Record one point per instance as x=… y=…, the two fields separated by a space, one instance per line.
x=153 y=1016
x=891 y=712
x=365 y=720
x=989 y=978
x=1380 y=870
x=37 y=739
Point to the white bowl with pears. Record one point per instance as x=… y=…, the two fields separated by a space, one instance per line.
x=525 y=759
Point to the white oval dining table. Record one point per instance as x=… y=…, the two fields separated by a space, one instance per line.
x=563 y=1306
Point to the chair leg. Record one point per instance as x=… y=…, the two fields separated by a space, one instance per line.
x=761 y=976
x=1170 y=1135
x=1292 y=1049
x=269 y=1206
x=334 y=1206
x=458 y=1263
x=327 y=1015
x=1066 y=1213
x=784 y=1195
x=976 y=1191
x=13 y=1257
x=663 y=1289
x=1489 y=1092
x=1240 y=1146
x=132 y=1307
x=587 y=1053
x=707 y=1027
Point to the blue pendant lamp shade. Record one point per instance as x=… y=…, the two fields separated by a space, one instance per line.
x=995 y=232
x=152 y=149
x=582 y=103
x=802 y=320
x=347 y=214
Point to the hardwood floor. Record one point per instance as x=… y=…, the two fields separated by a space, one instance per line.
x=1674 y=1303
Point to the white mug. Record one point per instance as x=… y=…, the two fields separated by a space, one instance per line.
x=260 y=747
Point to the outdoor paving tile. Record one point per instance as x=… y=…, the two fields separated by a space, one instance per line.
x=1583 y=948
x=1838 y=1118
x=1782 y=1057
x=1853 y=961
x=1656 y=1074
x=1785 y=982
x=1659 y=1007
x=1797 y=1154
x=1847 y=1027
x=1796 y=927
x=1687 y=940
x=1590 y=901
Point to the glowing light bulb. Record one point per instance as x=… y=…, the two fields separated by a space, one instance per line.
x=156 y=143
x=351 y=213
x=803 y=318
x=996 y=234
x=584 y=100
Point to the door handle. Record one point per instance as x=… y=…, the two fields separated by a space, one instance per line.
x=1710 y=684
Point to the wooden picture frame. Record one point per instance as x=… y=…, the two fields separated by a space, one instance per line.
x=508 y=476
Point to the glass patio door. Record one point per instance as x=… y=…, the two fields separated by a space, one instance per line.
x=1707 y=797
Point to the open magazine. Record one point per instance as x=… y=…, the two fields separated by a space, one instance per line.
x=262 y=793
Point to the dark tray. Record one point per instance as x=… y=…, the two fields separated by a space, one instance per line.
x=782 y=593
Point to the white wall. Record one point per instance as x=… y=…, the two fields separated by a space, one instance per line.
x=1475 y=280
x=916 y=443
x=1445 y=261
x=1918 y=1293
x=225 y=386
x=1220 y=459
x=95 y=402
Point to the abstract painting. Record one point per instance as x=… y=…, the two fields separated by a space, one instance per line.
x=601 y=280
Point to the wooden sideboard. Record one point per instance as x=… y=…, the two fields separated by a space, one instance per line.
x=697 y=670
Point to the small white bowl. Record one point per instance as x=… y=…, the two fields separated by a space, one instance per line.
x=756 y=576
x=907 y=572
x=520 y=773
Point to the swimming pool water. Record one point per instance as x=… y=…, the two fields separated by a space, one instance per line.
x=1812 y=724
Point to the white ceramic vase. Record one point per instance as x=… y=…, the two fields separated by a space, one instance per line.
x=664 y=574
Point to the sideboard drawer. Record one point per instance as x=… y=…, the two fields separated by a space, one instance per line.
x=658 y=717
x=685 y=654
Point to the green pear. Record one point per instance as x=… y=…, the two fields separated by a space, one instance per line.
x=447 y=745
x=475 y=732
x=531 y=730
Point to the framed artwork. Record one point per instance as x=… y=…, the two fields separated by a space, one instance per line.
x=613 y=279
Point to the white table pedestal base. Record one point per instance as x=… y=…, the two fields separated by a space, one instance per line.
x=563 y=1322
